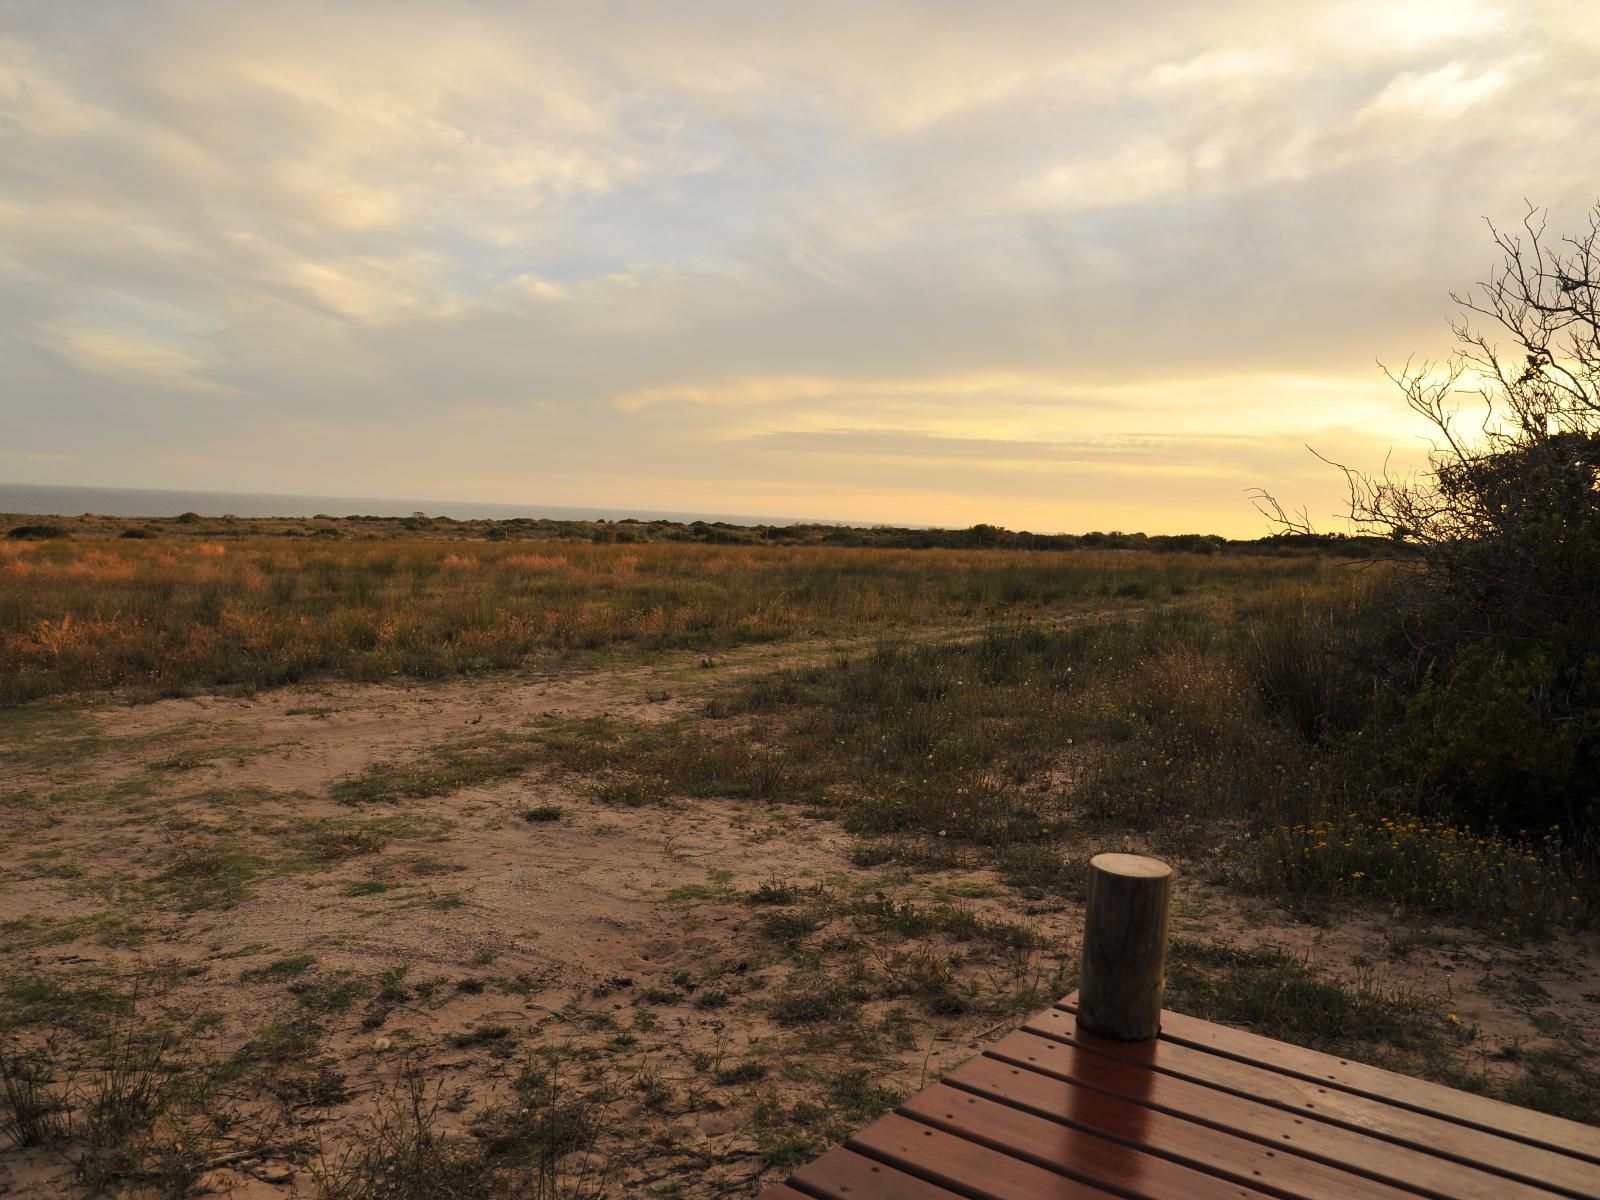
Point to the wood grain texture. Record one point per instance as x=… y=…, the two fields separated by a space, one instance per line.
x=1230 y=1156
x=1125 y=946
x=1202 y=1112
x=1449 y=1171
x=842 y=1172
x=1129 y=1169
x=965 y=1167
x=1494 y=1116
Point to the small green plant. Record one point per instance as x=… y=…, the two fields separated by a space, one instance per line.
x=330 y=843
x=773 y=891
x=811 y=1002
x=1284 y=997
x=133 y=1086
x=402 y=1155
x=334 y=994
x=391 y=986
x=789 y=928
x=498 y=1040
x=872 y=854
x=749 y=1071
x=654 y=1093
x=209 y=873
x=1519 y=887
x=1561 y=1080
x=858 y=1096
x=787 y=1150
x=280 y=969
x=552 y=1134
x=482 y=760
x=33 y=1109
x=143 y=1116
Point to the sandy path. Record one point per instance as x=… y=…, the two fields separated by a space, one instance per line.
x=560 y=931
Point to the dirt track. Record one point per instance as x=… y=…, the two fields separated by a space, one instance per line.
x=603 y=931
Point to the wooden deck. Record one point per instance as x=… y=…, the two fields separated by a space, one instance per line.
x=1202 y=1113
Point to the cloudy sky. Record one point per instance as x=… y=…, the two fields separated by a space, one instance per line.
x=1052 y=265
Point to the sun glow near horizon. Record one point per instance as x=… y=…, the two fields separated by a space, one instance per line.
x=1031 y=266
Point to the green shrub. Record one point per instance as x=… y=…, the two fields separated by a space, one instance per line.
x=1494 y=681
x=1510 y=739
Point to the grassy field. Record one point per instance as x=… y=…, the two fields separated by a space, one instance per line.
x=163 y=616
x=419 y=867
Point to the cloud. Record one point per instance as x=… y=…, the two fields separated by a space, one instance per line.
x=38 y=456
x=375 y=290
x=1152 y=451
x=966 y=388
x=841 y=258
x=1444 y=93
x=539 y=289
x=1213 y=69
x=129 y=357
x=1423 y=25
x=35 y=103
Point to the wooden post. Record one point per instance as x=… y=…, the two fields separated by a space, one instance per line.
x=1124 y=946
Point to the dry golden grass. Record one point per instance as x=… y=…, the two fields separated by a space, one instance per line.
x=811 y=865
x=165 y=615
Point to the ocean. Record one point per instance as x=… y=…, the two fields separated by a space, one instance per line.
x=42 y=499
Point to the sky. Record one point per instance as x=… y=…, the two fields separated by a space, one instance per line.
x=1059 y=266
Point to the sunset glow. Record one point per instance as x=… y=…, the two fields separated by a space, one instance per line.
x=1059 y=267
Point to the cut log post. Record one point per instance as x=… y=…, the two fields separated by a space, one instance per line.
x=1124 y=946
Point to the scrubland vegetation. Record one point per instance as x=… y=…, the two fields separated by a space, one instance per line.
x=469 y=866
x=159 y=617
x=976 y=723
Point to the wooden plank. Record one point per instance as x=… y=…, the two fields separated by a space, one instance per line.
x=1420 y=1131
x=782 y=1191
x=842 y=1172
x=1240 y=1159
x=1481 y=1112
x=964 y=1167
x=1336 y=1145
x=1120 y=1167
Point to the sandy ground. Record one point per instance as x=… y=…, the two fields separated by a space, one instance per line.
x=601 y=932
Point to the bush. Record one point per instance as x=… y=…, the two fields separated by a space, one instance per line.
x=37 y=533
x=1493 y=704
x=1510 y=734
x=1522 y=887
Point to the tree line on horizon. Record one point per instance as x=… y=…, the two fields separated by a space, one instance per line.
x=982 y=536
